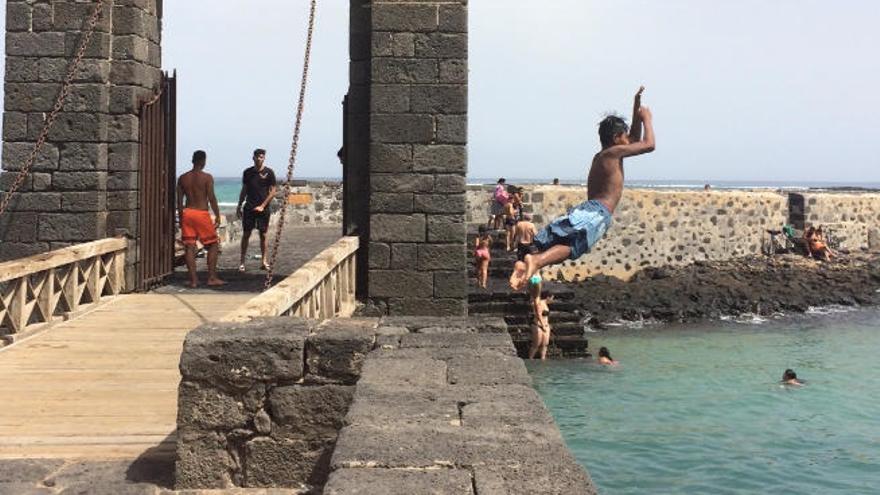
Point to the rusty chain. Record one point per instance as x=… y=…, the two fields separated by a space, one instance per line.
x=59 y=104
x=293 y=148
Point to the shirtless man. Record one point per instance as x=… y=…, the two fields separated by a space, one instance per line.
x=573 y=235
x=523 y=235
x=195 y=221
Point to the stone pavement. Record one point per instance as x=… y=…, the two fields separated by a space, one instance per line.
x=298 y=245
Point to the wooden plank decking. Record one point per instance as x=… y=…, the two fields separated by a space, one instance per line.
x=103 y=385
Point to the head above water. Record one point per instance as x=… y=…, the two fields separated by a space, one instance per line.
x=789 y=375
x=603 y=353
x=613 y=130
x=199 y=159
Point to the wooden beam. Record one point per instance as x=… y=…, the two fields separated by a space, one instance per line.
x=10 y=270
x=299 y=285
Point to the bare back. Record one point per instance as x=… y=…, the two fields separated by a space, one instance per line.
x=197 y=187
x=525 y=232
x=605 y=180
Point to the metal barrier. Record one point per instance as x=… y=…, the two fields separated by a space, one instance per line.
x=321 y=289
x=48 y=287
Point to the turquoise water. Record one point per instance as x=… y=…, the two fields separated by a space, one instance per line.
x=699 y=409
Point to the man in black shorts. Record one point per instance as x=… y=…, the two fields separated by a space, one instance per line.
x=257 y=191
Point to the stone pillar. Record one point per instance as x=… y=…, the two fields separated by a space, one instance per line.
x=418 y=156
x=85 y=182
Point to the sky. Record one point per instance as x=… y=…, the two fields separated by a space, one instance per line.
x=753 y=90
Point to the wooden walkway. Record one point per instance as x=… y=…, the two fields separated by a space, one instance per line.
x=103 y=385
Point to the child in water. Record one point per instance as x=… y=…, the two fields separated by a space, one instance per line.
x=789 y=377
x=605 y=357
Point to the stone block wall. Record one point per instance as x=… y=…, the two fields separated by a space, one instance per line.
x=84 y=184
x=418 y=156
x=656 y=228
x=325 y=208
x=853 y=218
x=260 y=403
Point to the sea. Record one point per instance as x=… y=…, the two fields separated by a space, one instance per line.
x=228 y=188
x=700 y=409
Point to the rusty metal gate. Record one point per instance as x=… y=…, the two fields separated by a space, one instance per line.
x=158 y=172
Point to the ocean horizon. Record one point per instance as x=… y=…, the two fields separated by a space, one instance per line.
x=227 y=188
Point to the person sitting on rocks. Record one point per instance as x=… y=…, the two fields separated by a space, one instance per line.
x=575 y=234
x=605 y=357
x=816 y=245
x=523 y=236
x=540 y=301
x=789 y=377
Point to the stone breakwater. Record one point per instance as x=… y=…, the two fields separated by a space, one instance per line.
x=654 y=228
x=760 y=286
x=367 y=406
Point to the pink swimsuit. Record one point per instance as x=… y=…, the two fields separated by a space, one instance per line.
x=482 y=253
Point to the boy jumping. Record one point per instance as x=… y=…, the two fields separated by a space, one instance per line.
x=575 y=234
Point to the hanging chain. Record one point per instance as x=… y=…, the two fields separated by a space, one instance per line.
x=293 y=148
x=59 y=103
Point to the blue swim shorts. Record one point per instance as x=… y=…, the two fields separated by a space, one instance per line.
x=580 y=229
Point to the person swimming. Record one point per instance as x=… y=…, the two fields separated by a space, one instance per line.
x=605 y=357
x=789 y=377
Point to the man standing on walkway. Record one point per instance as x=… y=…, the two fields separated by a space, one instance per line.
x=258 y=188
x=197 y=187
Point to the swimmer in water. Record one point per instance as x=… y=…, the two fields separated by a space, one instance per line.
x=789 y=377
x=605 y=357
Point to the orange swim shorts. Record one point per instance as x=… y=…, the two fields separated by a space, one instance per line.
x=197 y=224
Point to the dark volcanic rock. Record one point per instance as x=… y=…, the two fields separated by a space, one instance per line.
x=758 y=285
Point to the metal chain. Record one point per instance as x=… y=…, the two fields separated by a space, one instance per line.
x=293 y=148
x=59 y=104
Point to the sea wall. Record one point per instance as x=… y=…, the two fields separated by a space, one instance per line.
x=655 y=228
x=397 y=405
x=663 y=227
x=852 y=218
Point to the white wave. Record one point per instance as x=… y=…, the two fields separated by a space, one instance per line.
x=829 y=310
x=745 y=319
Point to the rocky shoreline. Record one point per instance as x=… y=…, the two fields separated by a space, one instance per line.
x=755 y=285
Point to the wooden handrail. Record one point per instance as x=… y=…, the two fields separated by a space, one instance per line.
x=10 y=270
x=38 y=290
x=325 y=284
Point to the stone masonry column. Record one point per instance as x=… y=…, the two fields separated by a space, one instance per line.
x=84 y=184
x=418 y=156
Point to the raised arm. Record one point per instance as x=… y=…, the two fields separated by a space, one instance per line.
x=645 y=145
x=635 y=129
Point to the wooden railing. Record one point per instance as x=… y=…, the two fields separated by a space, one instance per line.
x=322 y=288
x=48 y=287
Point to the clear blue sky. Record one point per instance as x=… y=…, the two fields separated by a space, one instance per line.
x=746 y=90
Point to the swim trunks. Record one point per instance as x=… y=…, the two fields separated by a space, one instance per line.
x=197 y=225
x=580 y=229
x=523 y=249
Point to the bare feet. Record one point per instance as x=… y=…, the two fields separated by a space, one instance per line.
x=518 y=277
x=193 y=284
x=264 y=267
x=215 y=282
x=241 y=268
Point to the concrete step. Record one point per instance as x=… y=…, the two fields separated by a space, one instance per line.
x=560 y=347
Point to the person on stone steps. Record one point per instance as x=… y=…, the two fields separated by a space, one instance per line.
x=540 y=301
x=258 y=188
x=195 y=189
x=524 y=236
x=482 y=257
x=575 y=234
